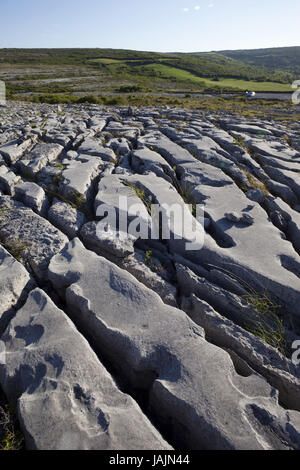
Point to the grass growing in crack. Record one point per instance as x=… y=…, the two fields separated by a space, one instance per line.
x=149 y=262
x=187 y=195
x=57 y=179
x=140 y=193
x=11 y=437
x=255 y=183
x=16 y=248
x=238 y=140
x=269 y=326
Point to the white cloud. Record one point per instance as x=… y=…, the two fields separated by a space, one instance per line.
x=186 y=9
x=211 y=5
x=197 y=7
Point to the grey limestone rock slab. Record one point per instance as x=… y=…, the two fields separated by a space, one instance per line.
x=40 y=156
x=287 y=177
x=275 y=149
x=93 y=146
x=13 y=150
x=79 y=174
x=170 y=151
x=145 y=161
x=248 y=128
x=8 y=180
x=113 y=187
x=280 y=372
x=110 y=241
x=15 y=281
x=66 y=398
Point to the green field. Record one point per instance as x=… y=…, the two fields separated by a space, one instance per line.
x=183 y=75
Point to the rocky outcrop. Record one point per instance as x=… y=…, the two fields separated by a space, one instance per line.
x=123 y=333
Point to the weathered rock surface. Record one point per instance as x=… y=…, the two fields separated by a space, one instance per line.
x=15 y=282
x=123 y=317
x=32 y=236
x=66 y=398
x=79 y=174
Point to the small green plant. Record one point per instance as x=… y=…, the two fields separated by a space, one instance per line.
x=149 y=262
x=148 y=257
x=60 y=165
x=3 y=210
x=116 y=161
x=268 y=325
x=57 y=179
x=78 y=203
x=78 y=200
x=255 y=183
x=187 y=195
x=288 y=140
x=238 y=140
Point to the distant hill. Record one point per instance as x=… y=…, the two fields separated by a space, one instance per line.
x=243 y=65
x=283 y=58
x=78 y=71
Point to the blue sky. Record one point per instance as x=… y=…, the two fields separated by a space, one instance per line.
x=156 y=25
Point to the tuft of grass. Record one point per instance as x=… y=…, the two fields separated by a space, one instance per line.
x=16 y=248
x=11 y=437
x=149 y=262
x=57 y=179
x=3 y=210
x=78 y=201
x=255 y=183
x=140 y=193
x=269 y=327
x=288 y=140
x=60 y=165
